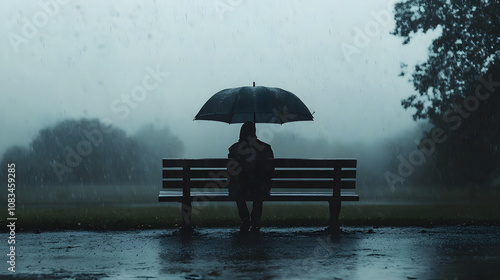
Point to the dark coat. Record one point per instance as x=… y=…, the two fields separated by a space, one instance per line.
x=254 y=179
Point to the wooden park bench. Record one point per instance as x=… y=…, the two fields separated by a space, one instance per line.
x=203 y=180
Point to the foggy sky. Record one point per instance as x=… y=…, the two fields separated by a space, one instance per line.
x=74 y=59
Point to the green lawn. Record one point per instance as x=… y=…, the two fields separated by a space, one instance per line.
x=121 y=218
x=135 y=207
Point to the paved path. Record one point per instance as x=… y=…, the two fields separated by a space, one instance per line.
x=276 y=253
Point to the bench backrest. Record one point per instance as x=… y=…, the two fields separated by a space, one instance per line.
x=288 y=173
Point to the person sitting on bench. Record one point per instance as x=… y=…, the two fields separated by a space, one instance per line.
x=253 y=182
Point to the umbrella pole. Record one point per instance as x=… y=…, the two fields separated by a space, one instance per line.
x=254 y=112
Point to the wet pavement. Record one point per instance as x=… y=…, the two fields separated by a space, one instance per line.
x=452 y=252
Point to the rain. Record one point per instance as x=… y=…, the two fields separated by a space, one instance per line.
x=97 y=93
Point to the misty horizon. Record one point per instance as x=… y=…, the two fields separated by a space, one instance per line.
x=87 y=60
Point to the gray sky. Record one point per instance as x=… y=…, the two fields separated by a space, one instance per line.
x=75 y=58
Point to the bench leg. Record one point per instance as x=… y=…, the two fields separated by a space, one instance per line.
x=186 y=210
x=334 y=214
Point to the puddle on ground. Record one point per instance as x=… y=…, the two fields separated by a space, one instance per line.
x=275 y=253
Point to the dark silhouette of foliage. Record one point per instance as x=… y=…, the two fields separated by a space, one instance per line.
x=458 y=86
x=466 y=49
x=471 y=153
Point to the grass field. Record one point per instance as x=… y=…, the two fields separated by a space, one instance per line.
x=130 y=207
x=126 y=218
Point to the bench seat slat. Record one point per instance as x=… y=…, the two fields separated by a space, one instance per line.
x=279 y=173
x=279 y=162
x=275 y=196
x=318 y=163
x=313 y=184
x=287 y=184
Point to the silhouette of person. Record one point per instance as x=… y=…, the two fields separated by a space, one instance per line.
x=254 y=179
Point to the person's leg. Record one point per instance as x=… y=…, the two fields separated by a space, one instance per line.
x=244 y=215
x=256 y=214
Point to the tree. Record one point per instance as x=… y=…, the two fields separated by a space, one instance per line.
x=471 y=153
x=468 y=46
x=458 y=86
x=87 y=151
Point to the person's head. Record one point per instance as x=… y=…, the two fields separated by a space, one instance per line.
x=247 y=130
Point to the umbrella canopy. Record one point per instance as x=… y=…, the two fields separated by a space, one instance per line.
x=257 y=104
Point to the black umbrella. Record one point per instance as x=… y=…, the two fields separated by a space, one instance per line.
x=257 y=104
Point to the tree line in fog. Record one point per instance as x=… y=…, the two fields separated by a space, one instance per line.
x=87 y=151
